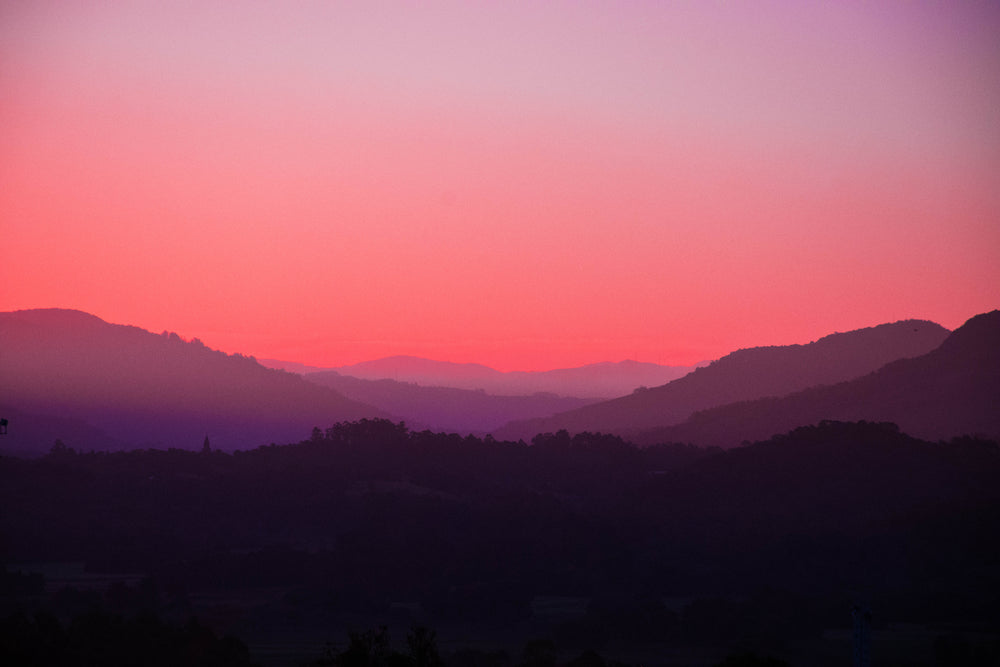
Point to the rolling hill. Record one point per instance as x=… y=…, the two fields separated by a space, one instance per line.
x=145 y=389
x=745 y=375
x=600 y=380
x=950 y=391
x=445 y=409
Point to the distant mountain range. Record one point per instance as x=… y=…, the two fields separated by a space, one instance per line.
x=600 y=380
x=135 y=388
x=69 y=375
x=952 y=390
x=445 y=409
x=746 y=375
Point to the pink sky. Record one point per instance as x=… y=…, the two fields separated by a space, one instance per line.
x=526 y=186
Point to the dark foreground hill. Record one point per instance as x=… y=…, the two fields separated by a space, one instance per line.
x=147 y=389
x=445 y=409
x=950 y=391
x=746 y=375
x=761 y=547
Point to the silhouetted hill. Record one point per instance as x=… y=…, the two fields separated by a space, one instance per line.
x=427 y=372
x=363 y=515
x=445 y=409
x=950 y=391
x=290 y=366
x=605 y=379
x=32 y=434
x=148 y=389
x=600 y=380
x=851 y=489
x=745 y=375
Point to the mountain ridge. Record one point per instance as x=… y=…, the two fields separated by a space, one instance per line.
x=446 y=409
x=747 y=374
x=952 y=390
x=605 y=379
x=154 y=389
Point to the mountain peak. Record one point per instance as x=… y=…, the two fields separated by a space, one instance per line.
x=54 y=317
x=141 y=388
x=979 y=336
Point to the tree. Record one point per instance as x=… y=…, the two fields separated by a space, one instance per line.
x=59 y=448
x=366 y=649
x=423 y=647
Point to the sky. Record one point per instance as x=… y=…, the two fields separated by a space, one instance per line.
x=525 y=185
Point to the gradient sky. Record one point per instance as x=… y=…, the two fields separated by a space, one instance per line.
x=527 y=185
